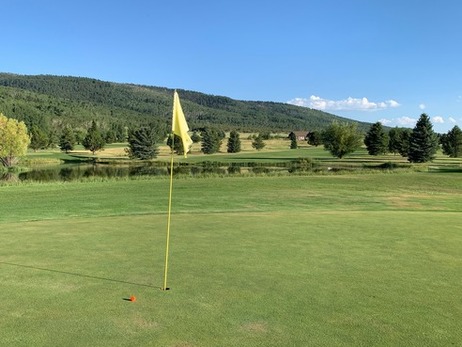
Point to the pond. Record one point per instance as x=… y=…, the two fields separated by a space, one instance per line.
x=72 y=172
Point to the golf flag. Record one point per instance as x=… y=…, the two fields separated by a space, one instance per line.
x=179 y=125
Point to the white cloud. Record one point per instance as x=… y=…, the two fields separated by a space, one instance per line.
x=406 y=121
x=438 y=119
x=422 y=106
x=349 y=104
x=452 y=120
x=385 y=121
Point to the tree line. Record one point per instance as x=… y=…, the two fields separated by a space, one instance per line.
x=418 y=145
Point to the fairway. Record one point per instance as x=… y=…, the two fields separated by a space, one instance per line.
x=335 y=260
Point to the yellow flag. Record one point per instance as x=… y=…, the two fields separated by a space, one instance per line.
x=179 y=125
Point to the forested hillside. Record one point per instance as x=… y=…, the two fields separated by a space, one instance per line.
x=52 y=102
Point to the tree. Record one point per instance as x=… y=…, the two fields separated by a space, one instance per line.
x=195 y=137
x=142 y=143
x=94 y=140
x=293 y=140
x=398 y=141
x=177 y=144
x=314 y=138
x=423 y=142
x=376 y=140
x=234 y=143
x=452 y=142
x=211 y=140
x=341 y=139
x=67 y=140
x=38 y=138
x=14 y=140
x=258 y=143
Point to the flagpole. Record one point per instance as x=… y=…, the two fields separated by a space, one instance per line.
x=164 y=287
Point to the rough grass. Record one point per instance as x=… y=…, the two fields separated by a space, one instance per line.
x=351 y=260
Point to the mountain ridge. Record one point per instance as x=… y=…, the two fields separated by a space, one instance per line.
x=51 y=101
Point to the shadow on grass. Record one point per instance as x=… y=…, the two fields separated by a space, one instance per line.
x=77 y=274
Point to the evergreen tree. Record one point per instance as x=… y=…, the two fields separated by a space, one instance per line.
x=177 y=144
x=293 y=140
x=67 y=140
x=376 y=140
x=38 y=138
x=452 y=142
x=314 y=138
x=195 y=137
x=258 y=143
x=142 y=143
x=110 y=136
x=423 y=142
x=341 y=139
x=211 y=140
x=234 y=143
x=399 y=141
x=94 y=140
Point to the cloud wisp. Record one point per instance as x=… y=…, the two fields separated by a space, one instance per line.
x=349 y=104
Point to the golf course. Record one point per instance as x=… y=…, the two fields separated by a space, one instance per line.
x=353 y=258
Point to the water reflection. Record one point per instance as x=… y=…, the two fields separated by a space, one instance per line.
x=70 y=172
x=75 y=172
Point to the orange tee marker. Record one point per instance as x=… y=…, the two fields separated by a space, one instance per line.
x=133 y=298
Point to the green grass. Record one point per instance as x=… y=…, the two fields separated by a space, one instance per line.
x=337 y=260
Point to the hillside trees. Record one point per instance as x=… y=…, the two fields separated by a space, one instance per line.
x=341 y=139
x=77 y=101
x=14 y=140
x=423 y=142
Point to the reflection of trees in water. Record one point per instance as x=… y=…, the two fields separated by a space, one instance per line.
x=75 y=172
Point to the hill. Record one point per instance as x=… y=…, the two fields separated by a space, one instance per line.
x=51 y=102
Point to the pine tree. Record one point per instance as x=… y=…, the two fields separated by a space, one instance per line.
x=423 y=142
x=314 y=138
x=258 y=143
x=195 y=137
x=293 y=140
x=142 y=143
x=38 y=138
x=94 y=140
x=211 y=140
x=376 y=140
x=177 y=144
x=67 y=140
x=234 y=143
x=452 y=142
x=399 y=141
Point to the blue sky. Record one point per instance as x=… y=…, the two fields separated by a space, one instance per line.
x=387 y=60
